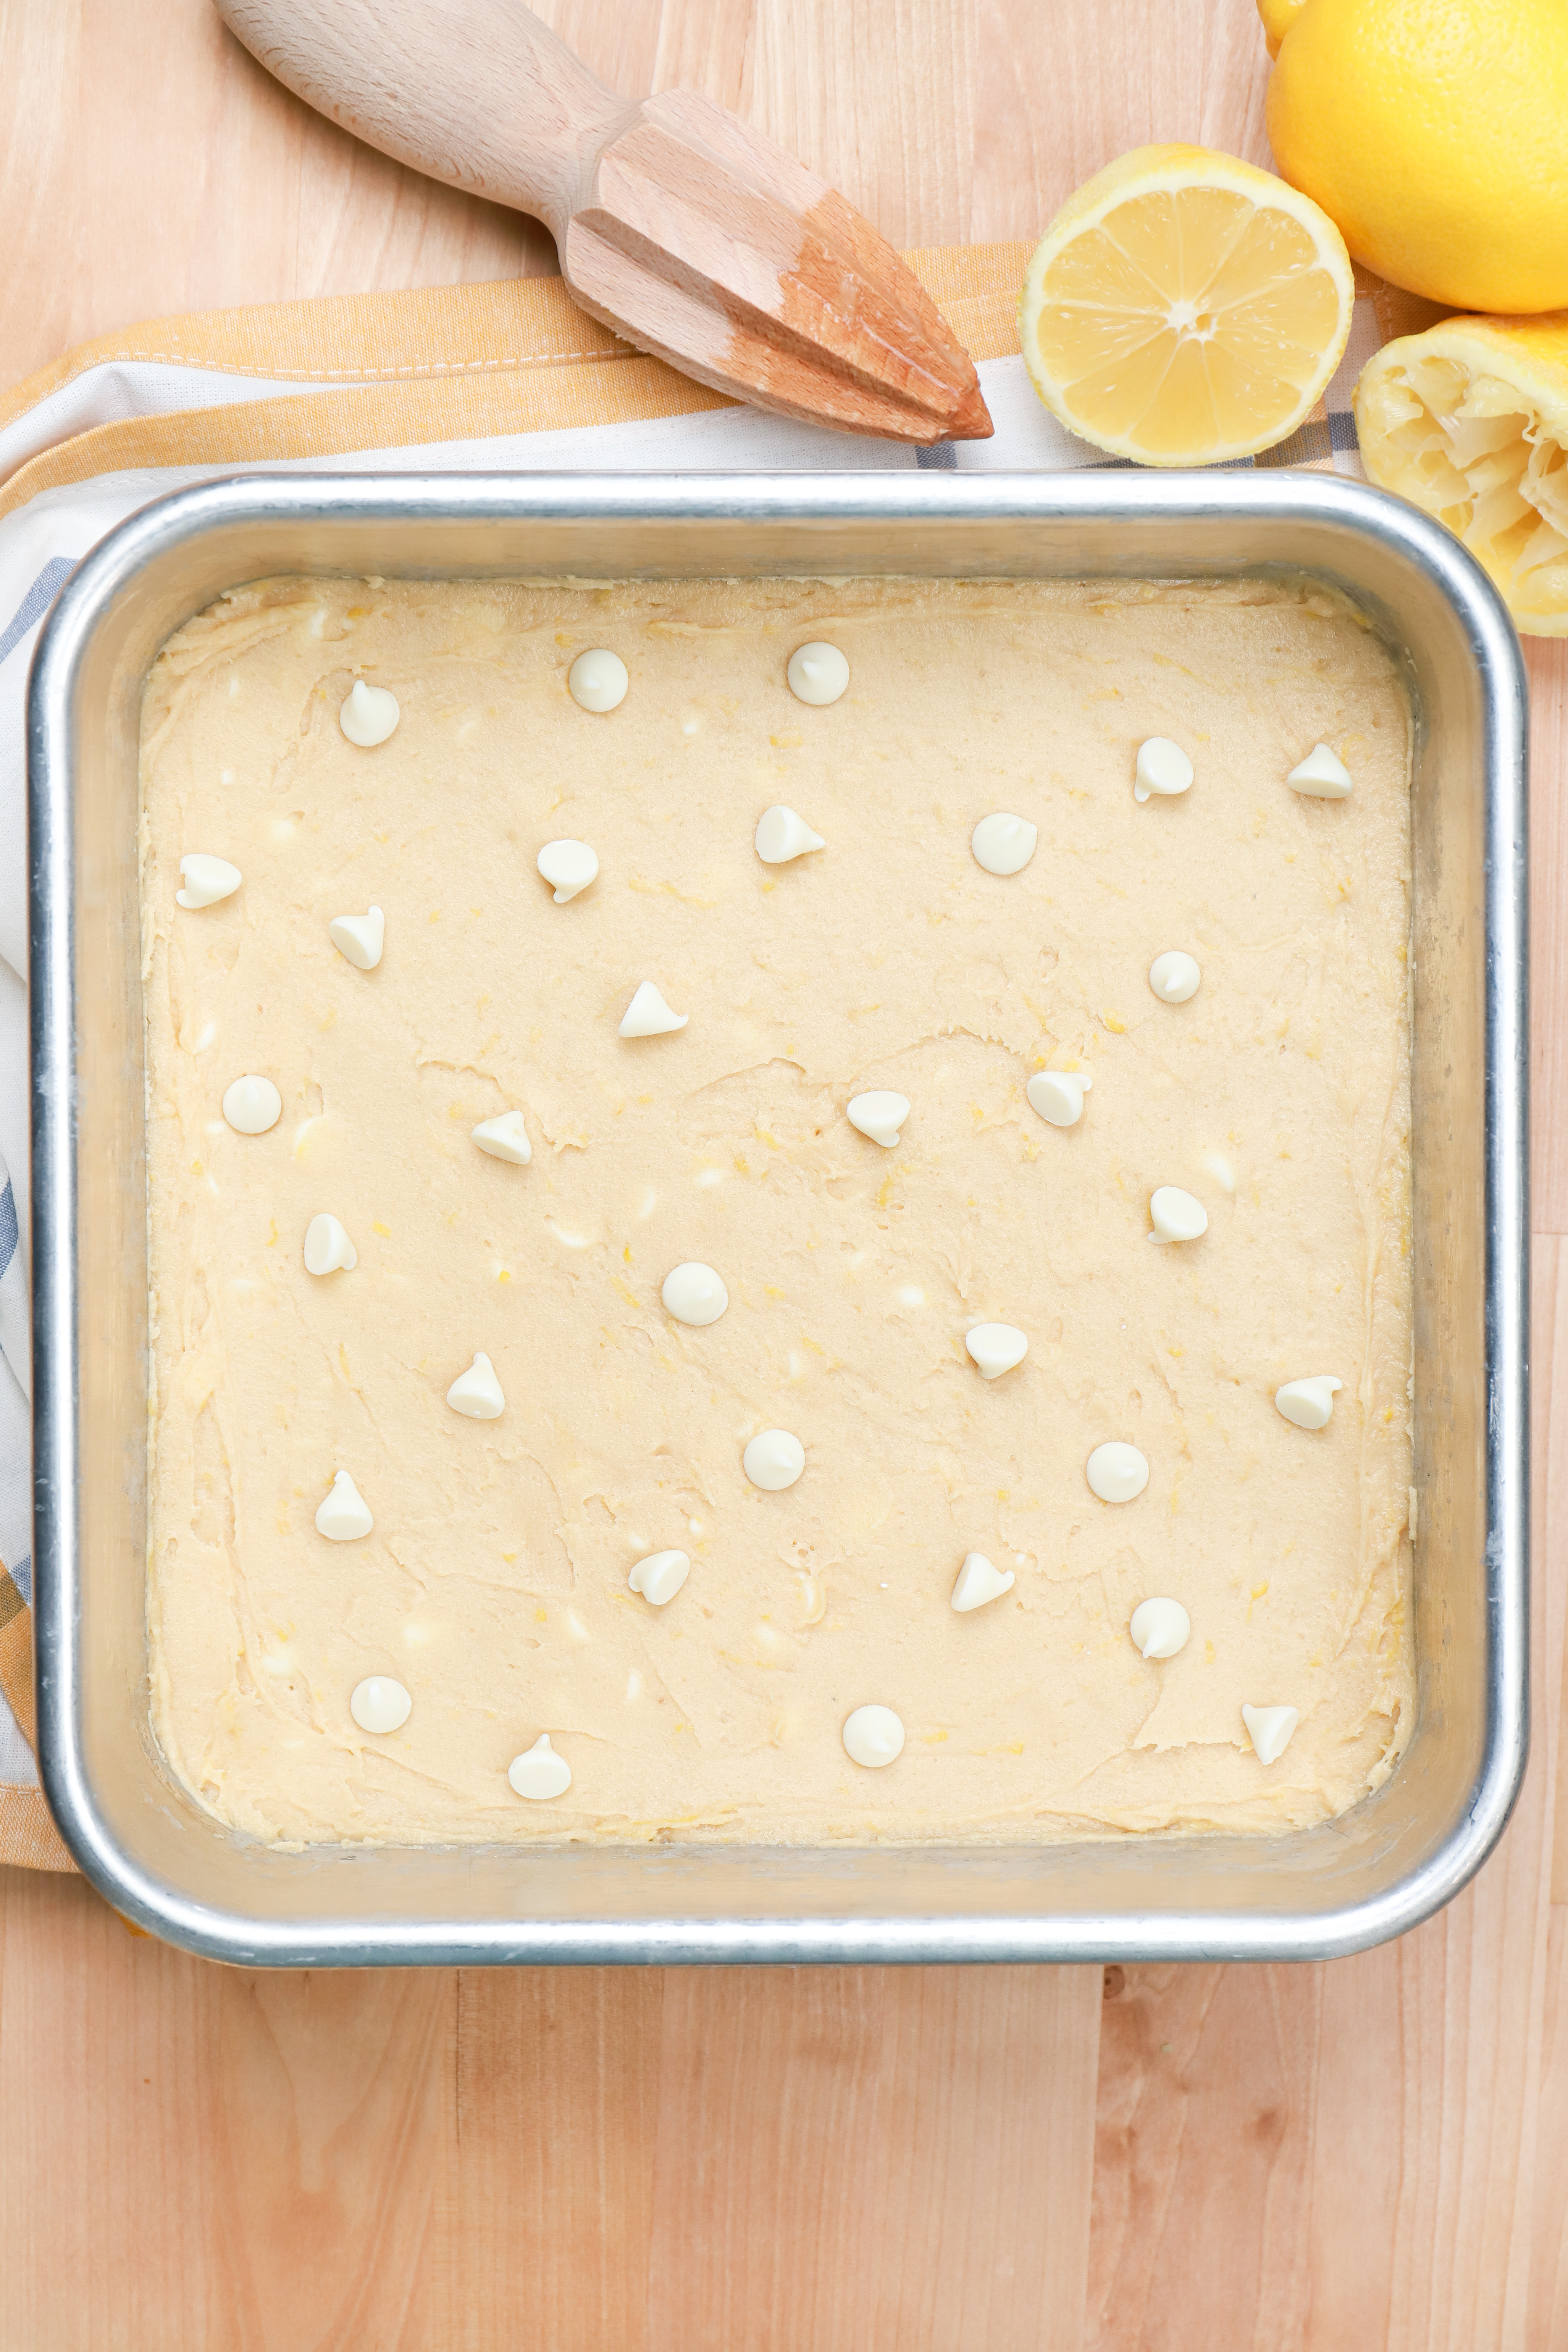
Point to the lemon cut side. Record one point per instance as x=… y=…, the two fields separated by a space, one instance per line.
x=1185 y=308
x=1470 y=421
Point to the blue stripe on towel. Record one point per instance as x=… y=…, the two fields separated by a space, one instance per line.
x=36 y=602
x=9 y=1232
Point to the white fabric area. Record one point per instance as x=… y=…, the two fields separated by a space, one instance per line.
x=44 y=539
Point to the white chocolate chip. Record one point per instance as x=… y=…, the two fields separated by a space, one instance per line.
x=1057 y=1096
x=660 y=1576
x=477 y=1394
x=873 y=1736
x=379 y=1703
x=252 y=1105
x=505 y=1138
x=539 y=1772
x=598 y=680
x=1176 y=1215
x=979 y=1583
x=327 y=1247
x=780 y=835
x=1270 y=1730
x=1309 y=1404
x=773 y=1460
x=369 y=715
x=1163 y=767
x=879 y=1115
x=1002 y=844
x=344 y=1516
x=694 y=1294
x=648 y=1014
x=1321 y=776
x=1116 y=1473
x=206 y=880
x=1174 y=976
x=568 y=867
x=818 y=672
x=1160 y=1628
x=996 y=1348
x=359 y=939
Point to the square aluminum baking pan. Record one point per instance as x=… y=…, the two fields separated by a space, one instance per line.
x=1380 y=1868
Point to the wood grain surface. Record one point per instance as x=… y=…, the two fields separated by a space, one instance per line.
x=1366 y=2157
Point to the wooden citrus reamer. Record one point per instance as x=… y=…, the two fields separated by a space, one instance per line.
x=692 y=235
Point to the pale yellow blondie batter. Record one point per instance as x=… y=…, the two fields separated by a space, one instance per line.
x=494 y=1585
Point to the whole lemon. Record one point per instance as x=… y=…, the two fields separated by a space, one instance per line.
x=1435 y=134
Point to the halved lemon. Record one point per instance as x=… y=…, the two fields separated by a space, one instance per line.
x=1471 y=421
x=1185 y=308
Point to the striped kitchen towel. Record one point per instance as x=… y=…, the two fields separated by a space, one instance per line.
x=509 y=376
x=27 y=1832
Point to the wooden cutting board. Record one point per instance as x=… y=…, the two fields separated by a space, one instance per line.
x=1367 y=2157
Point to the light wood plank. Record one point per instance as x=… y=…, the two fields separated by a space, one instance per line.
x=200 y=2158
x=41 y=51
x=1063 y=91
x=1548 y=2310
x=106 y=2157
x=878 y=2158
x=1548 y=667
x=706 y=45
x=327 y=2095
x=821 y=76
x=1548 y=2219
x=1429 y=2079
x=1202 y=2184
x=619 y=43
x=545 y=2203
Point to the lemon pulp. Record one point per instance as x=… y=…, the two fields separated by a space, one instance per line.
x=1470 y=421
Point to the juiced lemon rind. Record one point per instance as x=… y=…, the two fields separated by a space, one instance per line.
x=1470 y=422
